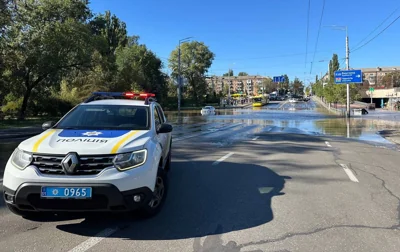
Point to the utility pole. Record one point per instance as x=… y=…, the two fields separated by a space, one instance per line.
x=179 y=88
x=347 y=68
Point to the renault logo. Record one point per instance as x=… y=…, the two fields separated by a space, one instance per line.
x=70 y=163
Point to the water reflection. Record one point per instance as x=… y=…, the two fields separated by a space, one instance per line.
x=313 y=121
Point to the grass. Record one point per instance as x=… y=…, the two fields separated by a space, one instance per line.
x=14 y=123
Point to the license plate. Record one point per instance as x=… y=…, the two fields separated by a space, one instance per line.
x=66 y=192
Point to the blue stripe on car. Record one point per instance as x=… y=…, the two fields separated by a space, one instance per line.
x=93 y=133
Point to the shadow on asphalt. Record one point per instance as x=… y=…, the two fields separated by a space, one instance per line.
x=202 y=200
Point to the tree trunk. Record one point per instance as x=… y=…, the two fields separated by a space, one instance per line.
x=24 y=103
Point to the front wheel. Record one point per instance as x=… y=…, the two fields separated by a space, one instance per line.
x=158 y=197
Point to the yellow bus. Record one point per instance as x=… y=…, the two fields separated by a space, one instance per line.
x=260 y=100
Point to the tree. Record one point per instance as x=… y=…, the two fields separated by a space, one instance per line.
x=286 y=82
x=196 y=59
x=229 y=73
x=333 y=66
x=243 y=74
x=112 y=29
x=45 y=40
x=5 y=14
x=269 y=85
x=297 y=86
x=139 y=69
x=391 y=80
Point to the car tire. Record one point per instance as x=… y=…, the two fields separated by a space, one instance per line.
x=159 y=195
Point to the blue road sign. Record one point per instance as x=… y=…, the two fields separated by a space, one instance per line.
x=279 y=78
x=348 y=76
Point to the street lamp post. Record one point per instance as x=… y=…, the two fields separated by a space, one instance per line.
x=179 y=88
x=344 y=28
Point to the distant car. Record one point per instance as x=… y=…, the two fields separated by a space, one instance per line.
x=208 y=110
x=292 y=100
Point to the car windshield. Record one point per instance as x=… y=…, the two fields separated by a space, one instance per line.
x=106 y=117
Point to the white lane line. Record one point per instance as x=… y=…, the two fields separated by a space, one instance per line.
x=89 y=243
x=255 y=138
x=328 y=144
x=349 y=173
x=265 y=190
x=223 y=158
x=269 y=129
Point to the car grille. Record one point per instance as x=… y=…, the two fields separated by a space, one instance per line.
x=89 y=165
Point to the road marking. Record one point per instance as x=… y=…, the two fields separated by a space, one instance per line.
x=328 y=144
x=89 y=243
x=349 y=173
x=265 y=190
x=255 y=138
x=223 y=158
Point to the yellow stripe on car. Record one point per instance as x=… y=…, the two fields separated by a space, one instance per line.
x=37 y=144
x=120 y=142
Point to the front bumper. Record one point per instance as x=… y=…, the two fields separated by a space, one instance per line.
x=105 y=197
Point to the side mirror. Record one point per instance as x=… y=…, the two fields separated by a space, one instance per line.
x=164 y=128
x=48 y=125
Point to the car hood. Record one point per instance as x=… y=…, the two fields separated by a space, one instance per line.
x=89 y=142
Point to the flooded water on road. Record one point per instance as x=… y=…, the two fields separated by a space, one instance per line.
x=301 y=117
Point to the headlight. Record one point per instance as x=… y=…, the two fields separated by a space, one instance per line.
x=130 y=160
x=21 y=159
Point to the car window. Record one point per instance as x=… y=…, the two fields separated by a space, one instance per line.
x=157 y=119
x=106 y=117
x=161 y=114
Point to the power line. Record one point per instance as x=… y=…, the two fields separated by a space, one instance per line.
x=319 y=30
x=376 y=28
x=308 y=27
x=265 y=57
x=358 y=48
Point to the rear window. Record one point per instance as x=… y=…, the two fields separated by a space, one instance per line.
x=106 y=117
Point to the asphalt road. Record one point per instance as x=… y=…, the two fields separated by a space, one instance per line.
x=241 y=187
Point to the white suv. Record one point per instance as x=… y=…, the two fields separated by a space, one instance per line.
x=110 y=153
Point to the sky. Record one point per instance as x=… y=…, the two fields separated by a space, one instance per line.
x=266 y=37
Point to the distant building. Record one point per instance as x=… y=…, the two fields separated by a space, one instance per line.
x=250 y=85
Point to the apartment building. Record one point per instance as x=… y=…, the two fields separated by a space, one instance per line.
x=250 y=85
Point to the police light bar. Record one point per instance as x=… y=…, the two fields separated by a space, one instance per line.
x=146 y=95
x=120 y=95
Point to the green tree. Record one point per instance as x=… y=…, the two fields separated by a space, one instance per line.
x=196 y=59
x=44 y=41
x=112 y=29
x=297 y=86
x=229 y=73
x=286 y=82
x=139 y=69
x=243 y=74
x=333 y=66
x=268 y=85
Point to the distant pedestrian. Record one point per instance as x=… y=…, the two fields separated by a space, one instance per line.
x=364 y=111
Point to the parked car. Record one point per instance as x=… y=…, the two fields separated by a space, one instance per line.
x=208 y=110
x=110 y=153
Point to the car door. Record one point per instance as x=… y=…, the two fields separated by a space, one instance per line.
x=162 y=138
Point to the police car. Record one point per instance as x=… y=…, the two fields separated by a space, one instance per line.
x=109 y=153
